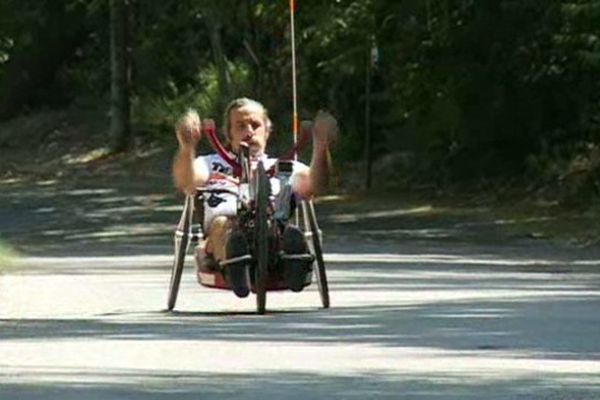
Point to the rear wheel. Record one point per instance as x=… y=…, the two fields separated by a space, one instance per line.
x=310 y=219
x=261 y=245
x=182 y=242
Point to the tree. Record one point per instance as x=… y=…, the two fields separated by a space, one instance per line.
x=37 y=39
x=214 y=16
x=120 y=67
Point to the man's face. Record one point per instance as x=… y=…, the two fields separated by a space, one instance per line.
x=248 y=125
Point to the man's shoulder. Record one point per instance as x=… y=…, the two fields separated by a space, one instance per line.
x=209 y=156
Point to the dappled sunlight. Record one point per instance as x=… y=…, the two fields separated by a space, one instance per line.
x=332 y=198
x=340 y=372
x=117 y=231
x=408 y=325
x=49 y=219
x=46 y=182
x=84 y=158
x=88 y=192
x=401 y=260
x=470 y=315
x=132 y=261
x=463 y=317
x=45 y=210
x=380 y=284
x=10 y=181
x=411 y=233
x=523 y=220
x=169 y=208
x=53 y=232
x=122 y=210
x=448 y=259
x=359 y=216
x=154 y=197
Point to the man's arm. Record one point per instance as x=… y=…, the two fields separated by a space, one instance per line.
x=185 y=176
x=315 y=180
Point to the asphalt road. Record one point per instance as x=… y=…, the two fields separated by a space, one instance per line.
x=426 y=304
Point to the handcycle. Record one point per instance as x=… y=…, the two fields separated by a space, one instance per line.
x=262 y=217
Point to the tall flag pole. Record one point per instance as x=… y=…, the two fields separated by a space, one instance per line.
x=294 y=92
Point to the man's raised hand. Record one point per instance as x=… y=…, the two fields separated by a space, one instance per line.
x=188 y=130
x=325 y=128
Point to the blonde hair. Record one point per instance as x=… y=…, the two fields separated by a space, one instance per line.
x=244 y=102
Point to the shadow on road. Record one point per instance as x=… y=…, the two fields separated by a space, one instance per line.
x=459 y=308
x=421 y=286
x=132 y=384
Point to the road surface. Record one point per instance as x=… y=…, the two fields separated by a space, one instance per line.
x=426 y=304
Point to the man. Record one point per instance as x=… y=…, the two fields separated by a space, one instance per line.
x=247 y=120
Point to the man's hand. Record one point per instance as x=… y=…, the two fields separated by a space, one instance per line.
x=325 y=129
x=315 y=180
x=188 y=130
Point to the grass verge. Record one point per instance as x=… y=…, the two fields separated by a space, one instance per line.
x=8 y=257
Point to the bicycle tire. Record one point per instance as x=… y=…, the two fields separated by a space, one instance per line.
x=182 y=241
x=261 y=245
x=321 y=273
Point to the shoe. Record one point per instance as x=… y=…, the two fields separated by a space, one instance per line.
x=236 y=266
x=297 y=260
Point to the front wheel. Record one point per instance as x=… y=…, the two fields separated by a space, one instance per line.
x=261 y=243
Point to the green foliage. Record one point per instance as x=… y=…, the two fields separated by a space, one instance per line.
x=156 y=114
x=8 y=257
x=466 y=88
x=478 y=86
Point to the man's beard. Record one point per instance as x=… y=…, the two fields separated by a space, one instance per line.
x=256 y=150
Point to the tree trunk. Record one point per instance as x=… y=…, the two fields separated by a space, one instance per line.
x=214 y=27
x=29 y=77
x=252 y=45
x=120 y=113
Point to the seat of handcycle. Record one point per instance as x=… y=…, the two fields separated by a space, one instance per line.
x=214 y=276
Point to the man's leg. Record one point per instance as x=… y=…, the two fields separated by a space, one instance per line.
x=212 y=249
x=297 y=260
x=230 y=249
x=218 y=231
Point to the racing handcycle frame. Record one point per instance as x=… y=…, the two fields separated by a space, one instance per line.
x=261 y=216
